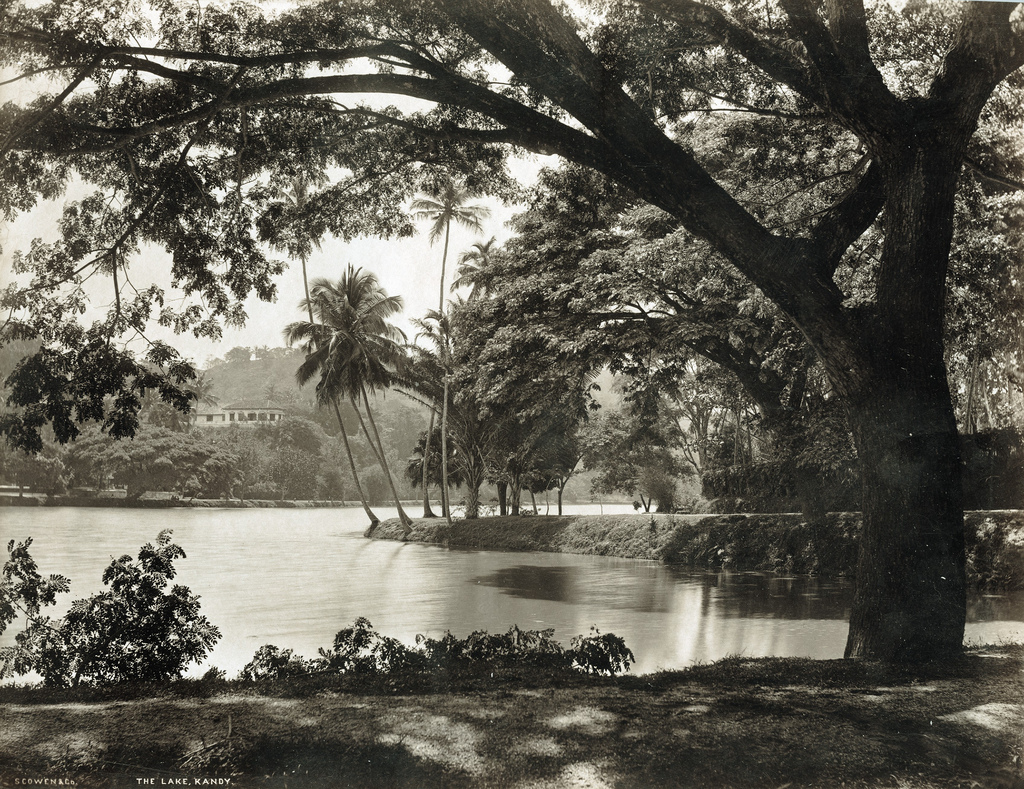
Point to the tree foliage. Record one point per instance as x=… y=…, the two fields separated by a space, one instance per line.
x=136 y=631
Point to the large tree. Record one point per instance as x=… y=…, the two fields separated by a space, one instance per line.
x=176 y=125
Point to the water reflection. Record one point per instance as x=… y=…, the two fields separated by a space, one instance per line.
x=295 y=577
x=534 y=583
x=649 y=588
x=995 y=608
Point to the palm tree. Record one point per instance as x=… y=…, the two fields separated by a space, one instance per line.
x=443 y=206
x=468 y=432
x=473 y=265
x=355 y=350
x=437 y=329
x=285 y=227
x=202 y=390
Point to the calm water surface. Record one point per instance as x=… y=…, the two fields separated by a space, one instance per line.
x=293 y=578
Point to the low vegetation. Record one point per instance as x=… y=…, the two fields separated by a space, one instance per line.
x=139 y=632
x=136 y=631
x=361 y=650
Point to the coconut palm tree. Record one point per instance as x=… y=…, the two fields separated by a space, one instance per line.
x=473 y=264
x=202 y=390
x=285 y=227
x=468 y=432
x=443 y=206
x=437 y=329
x=355 y=350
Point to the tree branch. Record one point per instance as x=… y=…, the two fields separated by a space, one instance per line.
x=176 y=75
x=849 y=27
x=846 y=221
x=851 y=85
x=986 y=50
x=24 y=128
x=779 y=63
x=634 y=147
x=986 y=174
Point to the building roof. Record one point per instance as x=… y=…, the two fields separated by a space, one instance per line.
x=243 y=405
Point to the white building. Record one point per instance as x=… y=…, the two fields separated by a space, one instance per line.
x=241 y=413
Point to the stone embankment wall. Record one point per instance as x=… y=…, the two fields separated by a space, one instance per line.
x=775 y=542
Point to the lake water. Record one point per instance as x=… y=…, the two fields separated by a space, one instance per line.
x=293 y=578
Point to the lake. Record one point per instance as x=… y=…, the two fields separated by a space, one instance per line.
x=294 y=577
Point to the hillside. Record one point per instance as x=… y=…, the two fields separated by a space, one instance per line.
x=268 y=374
x=263 y=374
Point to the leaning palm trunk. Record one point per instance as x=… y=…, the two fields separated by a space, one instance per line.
x=305 y=285
x=378 y=450
x=374 y=520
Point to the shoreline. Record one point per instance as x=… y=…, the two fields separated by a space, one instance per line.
x=740 y=542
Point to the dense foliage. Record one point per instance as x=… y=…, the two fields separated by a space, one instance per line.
x=136 y=631
x=360 y=649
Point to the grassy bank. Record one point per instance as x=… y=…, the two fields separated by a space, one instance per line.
x=737 y=723
x=775 y=542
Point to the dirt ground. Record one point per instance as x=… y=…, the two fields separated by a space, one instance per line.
x=737 y=723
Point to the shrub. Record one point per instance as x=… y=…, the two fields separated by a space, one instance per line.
x=270 y=663
x=360 y=649
x=136 y=631
x=535 y=647
x=23 y=590
x=600 y=654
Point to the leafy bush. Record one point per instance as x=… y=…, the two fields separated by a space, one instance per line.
x=136 y=631
x=995 y=551
x=516 y=647
x=23 y=590
x=601 y=654
x=270 y=663
x=360 y=649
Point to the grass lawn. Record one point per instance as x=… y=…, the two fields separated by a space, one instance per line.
x=737 y=723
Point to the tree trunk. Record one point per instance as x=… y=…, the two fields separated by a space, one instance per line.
x=374 y=520
x=502 y=498
x=910 y=602
x=970 y=425
x=444 y=454
x=444 y=261
x=305 y=285
x=378 y=449
x=473 y=497
x=427 y=511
